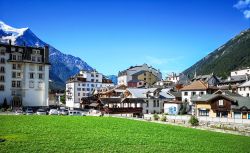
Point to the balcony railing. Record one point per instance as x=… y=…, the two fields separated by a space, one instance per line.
x=123 y=110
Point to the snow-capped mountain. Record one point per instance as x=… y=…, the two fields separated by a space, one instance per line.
x=63 y=66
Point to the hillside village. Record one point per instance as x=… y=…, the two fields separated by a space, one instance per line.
x=140 y=90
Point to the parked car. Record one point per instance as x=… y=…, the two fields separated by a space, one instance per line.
x=75 y=113
x=29 y=111
x=41 y=112
x=53 y=112
x=63 y=112
x=19 y=112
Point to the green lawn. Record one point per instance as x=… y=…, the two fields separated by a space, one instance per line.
x=106 y=134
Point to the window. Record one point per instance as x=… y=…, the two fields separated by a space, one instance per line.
x=33 y=58
x=96 y=80
x=19 y=66
x=185 y=93
x=144 y=79
x=13 y=83
x=2 y=60
x=201 y=93
x=39 y=59
x=40 y=75
x=92 y=75
x=19 y=57
x=97 y=75
x=31 y=84
x=146 y=103
x=31 y=75
x=92 y=80
x=158 y=104
x=193 y=93
x=88 y=89
x=247 y=94
x=92 y=85
x=13 y=74
x=220 y=102
x=18 y=75
x=83 y=89
x=40 y=68
x=1 y=87
x=78 y=94
x=78 y=89
x=154 y=104
x=13 y=66
x=1 y=78
x=13 y=57
x=79 y=84
x=18 y=84
x=2 y=69
x=83 y=85
x=13 y=49
x=40 y=84
x=203 y=112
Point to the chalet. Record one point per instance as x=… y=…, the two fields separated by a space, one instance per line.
x=195 y=88
x=222 y=104
x=153 y=98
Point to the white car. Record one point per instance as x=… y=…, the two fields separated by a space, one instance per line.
x=19 y=112
x=41 y=112
x=29 y=111
x=75 y=113
x=53 y=112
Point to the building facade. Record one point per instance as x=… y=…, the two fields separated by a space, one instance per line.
x=82 y=85
x=142 y=75
x=24 y=75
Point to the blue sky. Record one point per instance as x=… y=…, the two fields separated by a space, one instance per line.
x=112 y=35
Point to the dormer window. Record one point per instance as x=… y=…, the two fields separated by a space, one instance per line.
x=13 y=49
x=20 y=50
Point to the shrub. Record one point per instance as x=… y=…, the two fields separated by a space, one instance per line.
x=9 y=109
x=193 y=121
x=163 y=118
x=2 y=110
x=156 y=117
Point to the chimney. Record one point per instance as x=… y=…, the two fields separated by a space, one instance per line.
x=10 y=42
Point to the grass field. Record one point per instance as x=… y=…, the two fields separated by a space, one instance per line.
x=106 y=134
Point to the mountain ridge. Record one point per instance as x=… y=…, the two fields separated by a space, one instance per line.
x=60 y=62
x=234 y=54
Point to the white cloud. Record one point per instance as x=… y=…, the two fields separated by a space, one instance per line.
x=247 y=14
x=243 y=6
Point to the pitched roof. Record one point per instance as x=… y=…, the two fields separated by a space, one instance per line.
x=245 y=84
x=196 y=85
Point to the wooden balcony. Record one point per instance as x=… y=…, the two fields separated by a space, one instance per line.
x=127 y=110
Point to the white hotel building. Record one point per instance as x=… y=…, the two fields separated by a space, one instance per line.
x=24 y=75
x=82 y=85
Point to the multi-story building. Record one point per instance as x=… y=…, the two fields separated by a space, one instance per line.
x=196 y=88
x=24 y=75
x=82 y=85
x=244 y=89
x=137 y=76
